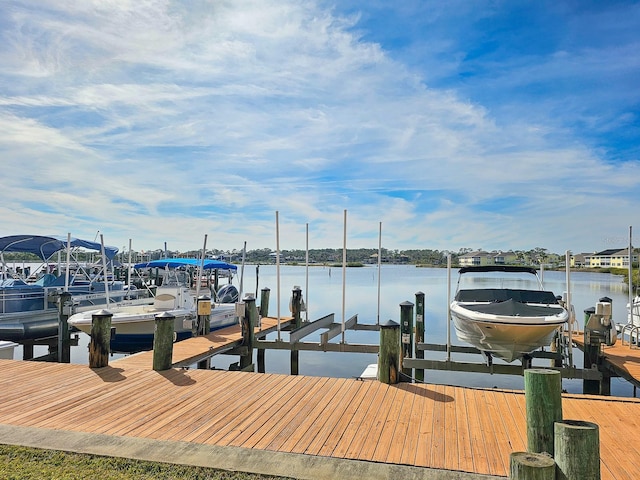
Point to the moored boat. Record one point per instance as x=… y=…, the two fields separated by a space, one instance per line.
x=29 y=310
x=133 y=325
x=509 y=323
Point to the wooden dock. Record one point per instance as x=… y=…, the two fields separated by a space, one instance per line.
x=432 y=426
x=195 y=349
x=622 y=360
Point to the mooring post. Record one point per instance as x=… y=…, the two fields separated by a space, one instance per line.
x=249 y=321
x=531 y=466
x=406 y=322
x=577 y=450
x=296 y=300
x=100 y=343
x=204 y=325
x=543 y=399
x=264 y=312
x=390 y=355
x=204 y=315
x=65 y=306
x=163 y=341
x=419 y=338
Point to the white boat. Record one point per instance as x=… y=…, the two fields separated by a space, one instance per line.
x=133 y=326
x=508 y=323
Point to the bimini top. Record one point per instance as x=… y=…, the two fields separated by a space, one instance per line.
x=44 y=247
x=186 y=262
x=498 y=268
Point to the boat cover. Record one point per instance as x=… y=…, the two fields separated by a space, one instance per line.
x=186 y=262
x=44 y=247
x=503 y=294
x=511 y=308
x=498 y=268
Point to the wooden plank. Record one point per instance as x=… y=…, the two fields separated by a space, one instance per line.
x=310 y=397
x=465 y=447
x=397 y=433
x=343 y=423
x=478 y=446
x=331 y=416
x=374 y=432
x=451 y=450
x=438 y=435
x=408 y=456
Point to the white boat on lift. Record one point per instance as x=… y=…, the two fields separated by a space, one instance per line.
x=133 y=326
x=508 y=323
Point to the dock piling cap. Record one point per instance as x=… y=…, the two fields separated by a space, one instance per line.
x=389 y=324
x=165 y=315
x=102 y=313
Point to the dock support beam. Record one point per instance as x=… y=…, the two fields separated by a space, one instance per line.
x=296 y=301
x=249 y=321
x=419 y=372
x=65 y=307
x=163 y=341
x=390 y=355
x=264 y=312
x=100 y=344
x=406 y=322
x=543 y=399
x=577 y=450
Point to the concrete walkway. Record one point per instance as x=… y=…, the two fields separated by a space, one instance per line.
x=303 y=467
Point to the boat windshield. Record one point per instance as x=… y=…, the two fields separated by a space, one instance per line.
x=500 y=280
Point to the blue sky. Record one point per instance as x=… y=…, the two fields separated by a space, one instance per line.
x=458 y=124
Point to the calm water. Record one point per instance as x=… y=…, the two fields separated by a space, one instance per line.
x=399 y=283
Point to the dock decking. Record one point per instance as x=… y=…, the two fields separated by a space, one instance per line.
x=622 y=359
x=192 y=350
x=434 y=426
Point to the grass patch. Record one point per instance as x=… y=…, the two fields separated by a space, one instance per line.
x=22 y=463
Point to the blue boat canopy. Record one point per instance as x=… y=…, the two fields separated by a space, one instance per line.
x=186 y=262
x=44 y=247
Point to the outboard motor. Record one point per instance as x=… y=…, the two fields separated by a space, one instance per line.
x=227 y=294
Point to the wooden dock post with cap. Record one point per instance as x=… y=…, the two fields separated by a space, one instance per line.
x=296 y=301
x=65 y=310
x=390 y=356
x=264 y=312
x=419 y=338
x=204 y=324
x=100 y=343
x=406 y=327
x=249 y=321
x=163 y=341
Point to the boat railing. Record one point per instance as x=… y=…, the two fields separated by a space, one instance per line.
x=634 y=333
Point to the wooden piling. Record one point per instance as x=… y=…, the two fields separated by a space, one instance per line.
x=65 y=307
x=296 y=301
x=264 y=312
x=419 y=338
x=406 y=327
x=390 y=355
x=249 y=321
x=100 y=343
x=204 y=324
x=163 y=341
x=531 y=466
x=543 y=399
x=577 y=450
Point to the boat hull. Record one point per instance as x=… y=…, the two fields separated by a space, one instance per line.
x=133 y=327
x=504 y=336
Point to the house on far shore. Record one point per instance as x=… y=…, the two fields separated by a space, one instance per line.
x=480 y=257
x=609 y=258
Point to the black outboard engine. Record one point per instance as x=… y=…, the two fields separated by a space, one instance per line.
x=227 y=294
